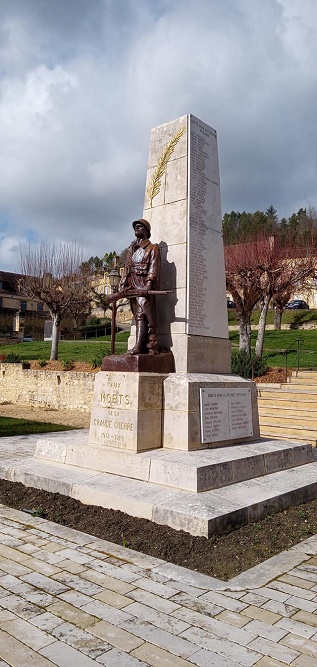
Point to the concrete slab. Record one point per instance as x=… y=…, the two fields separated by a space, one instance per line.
x=195 y=471
x=209 y=512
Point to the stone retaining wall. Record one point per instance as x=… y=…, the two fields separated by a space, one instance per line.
x=284 y=327
x=68 y=390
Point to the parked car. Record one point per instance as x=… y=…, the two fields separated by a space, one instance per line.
x=297 y=304
x=231 y=304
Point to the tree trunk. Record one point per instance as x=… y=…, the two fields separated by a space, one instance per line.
x=245 y=334
x=55 y=336
x=262 y=325
x=278 y=312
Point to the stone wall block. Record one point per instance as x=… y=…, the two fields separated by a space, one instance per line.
x=56 y=390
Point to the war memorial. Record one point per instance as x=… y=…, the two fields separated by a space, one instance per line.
x=174 y=437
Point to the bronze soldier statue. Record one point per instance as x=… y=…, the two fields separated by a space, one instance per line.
x=141 y=274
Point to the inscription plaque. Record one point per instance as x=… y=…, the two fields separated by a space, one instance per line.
x=205 y=251
x=225 y=413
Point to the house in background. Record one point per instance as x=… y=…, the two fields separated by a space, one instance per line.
x=101 y=284
x=12 y=299
x=14 y=304
x=309 y=294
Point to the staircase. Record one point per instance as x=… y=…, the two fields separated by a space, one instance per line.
x=289 y=411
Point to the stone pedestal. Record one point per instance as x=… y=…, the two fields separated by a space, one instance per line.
x=127 y=411
x=205 y=410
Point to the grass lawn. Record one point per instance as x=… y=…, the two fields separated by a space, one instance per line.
x=10 y=426
x=280 y=340
x=274 y=344
x=79 y=350
x=277 y=341
x=292 y=317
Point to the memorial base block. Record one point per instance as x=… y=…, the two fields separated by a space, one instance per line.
x=201 y=354
x=208 y=410
x=127 y=411
x=139 y=363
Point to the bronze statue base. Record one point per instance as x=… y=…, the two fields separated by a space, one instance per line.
x=140 y=363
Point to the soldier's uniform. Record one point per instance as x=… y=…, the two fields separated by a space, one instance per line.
x=141 y=272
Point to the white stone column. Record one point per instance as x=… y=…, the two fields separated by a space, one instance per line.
x=182 y=203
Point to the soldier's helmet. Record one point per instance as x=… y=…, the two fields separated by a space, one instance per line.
x=145 y=223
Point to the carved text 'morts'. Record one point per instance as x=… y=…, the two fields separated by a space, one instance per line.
x=114 y=399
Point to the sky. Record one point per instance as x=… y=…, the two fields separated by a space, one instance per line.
x=82 y=82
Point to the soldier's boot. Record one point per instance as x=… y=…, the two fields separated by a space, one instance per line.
x=141 y=336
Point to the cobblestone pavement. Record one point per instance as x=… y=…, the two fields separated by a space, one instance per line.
x=68 y=599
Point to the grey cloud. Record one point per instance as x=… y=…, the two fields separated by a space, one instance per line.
x=82 y=83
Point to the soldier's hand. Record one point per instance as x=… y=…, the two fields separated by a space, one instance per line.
x=148 y=285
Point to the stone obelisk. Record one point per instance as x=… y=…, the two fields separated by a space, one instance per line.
x=203 y=404
x=182 y=203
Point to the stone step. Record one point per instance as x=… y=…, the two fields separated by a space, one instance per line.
x=290 y=394
x=306 y=374
x=288 y=387
x=304 y=431
x=284 y=418
x=307 y=382
x=269 y=429
x=299 y=412
x=195 y=471
x=299 y=386
x=302 y=405
x=207 y=513
x=290 y=411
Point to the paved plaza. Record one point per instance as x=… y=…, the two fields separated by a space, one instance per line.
x=67 y=598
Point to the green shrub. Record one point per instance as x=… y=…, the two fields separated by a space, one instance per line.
x=96 y=362
x=94 y=323
x=13 y=358
x=67 y=364
x=42 y=363
x=259 y=366
x=242 y=364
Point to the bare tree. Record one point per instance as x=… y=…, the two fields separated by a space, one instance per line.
x=243 y=279
x=303 y=261
x=263 y=270
x=279 y=301
x=53 y=274
x=285 y=267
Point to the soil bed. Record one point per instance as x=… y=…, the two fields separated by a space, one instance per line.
x=222 y=557
x=274 y=376
x=79 y=366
